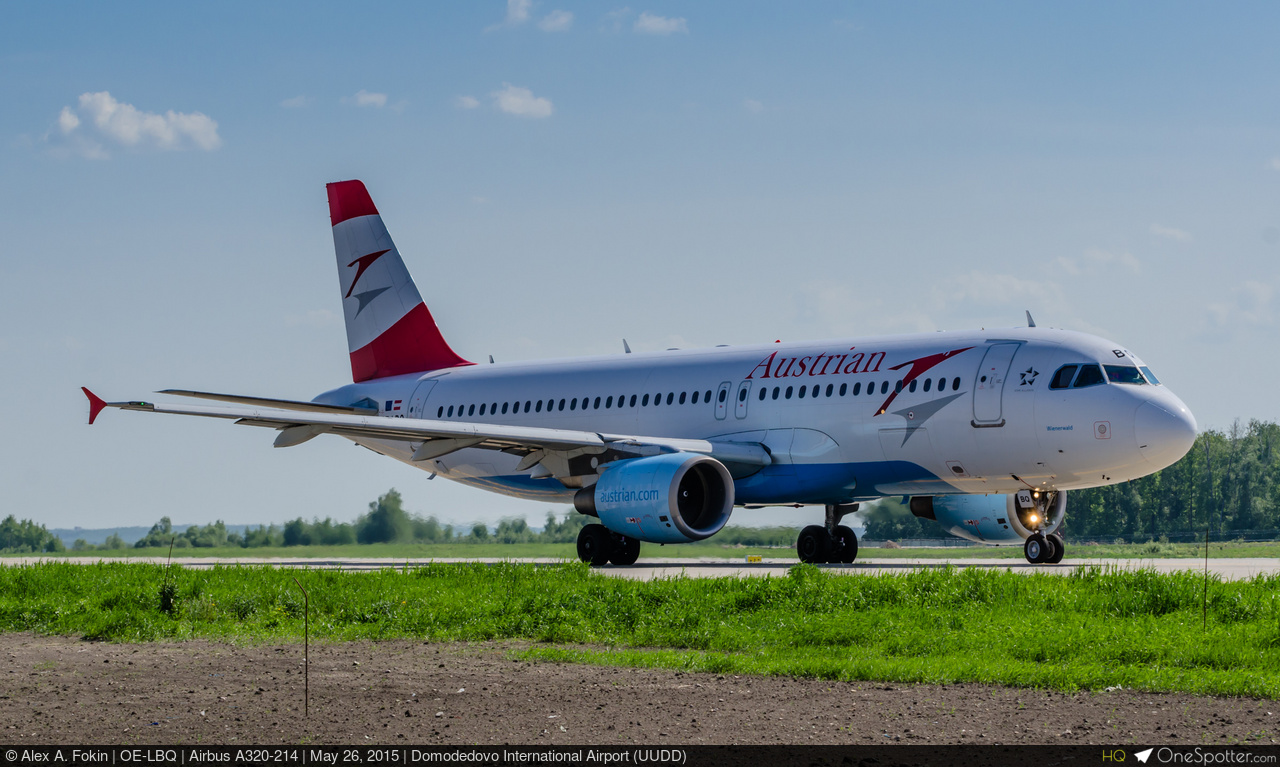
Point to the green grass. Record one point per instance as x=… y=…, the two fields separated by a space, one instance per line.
x=1093 y=629
x=702 y=549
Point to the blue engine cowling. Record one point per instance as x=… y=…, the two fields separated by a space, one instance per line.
x=1001 y=519
x=670 y=498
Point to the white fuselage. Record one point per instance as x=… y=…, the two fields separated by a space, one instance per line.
x=975 y=414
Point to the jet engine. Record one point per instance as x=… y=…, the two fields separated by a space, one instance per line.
x=999 y=519
x=670 y=498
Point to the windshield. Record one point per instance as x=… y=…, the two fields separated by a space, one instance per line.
x=1146 y=371
x=1124 y=374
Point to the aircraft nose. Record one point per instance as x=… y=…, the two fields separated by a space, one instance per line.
x=1165 y=431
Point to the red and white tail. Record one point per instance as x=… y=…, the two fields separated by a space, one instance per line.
x=390 y=331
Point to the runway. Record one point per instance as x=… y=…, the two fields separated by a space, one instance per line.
x=1229 y=569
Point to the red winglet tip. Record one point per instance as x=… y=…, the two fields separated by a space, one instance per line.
x=349 y=199
x=96 y=404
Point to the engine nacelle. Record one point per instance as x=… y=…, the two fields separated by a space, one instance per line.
x=1002 y=519
x=669 y=498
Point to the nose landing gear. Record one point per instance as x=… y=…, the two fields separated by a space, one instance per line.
x=597 y=545
x=833 y=543
x=1044 y=549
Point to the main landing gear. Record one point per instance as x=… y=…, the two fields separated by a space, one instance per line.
x=598 y=545
x=1044 y=549
x=833 y=543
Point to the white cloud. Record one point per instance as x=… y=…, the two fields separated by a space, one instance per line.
x=517 y=14
x=521 y=102
x=99 y=116
x=1170 y=233
x=467 y=102
x=296 y=102
x=556 y=21
x=1095 y=261
x=364 y=98
x=1250 y=304
x=650 y=24
x=753 y=106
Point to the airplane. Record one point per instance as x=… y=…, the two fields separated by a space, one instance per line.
x=983 y=431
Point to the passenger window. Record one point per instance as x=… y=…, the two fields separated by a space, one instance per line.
x=912 y=387
x=857 y=388
x=504 y=408
x=800 y=394
x=1090 y=375
x=871 y=388
x=763 y=392
x=927 y=383
x=482 y=406
x=776 y=392
x=493 y=409
x=596 y=404
x=897 y=387
x=657 y=399
x=884 y=387
x=527 y=405
x=955 y=383
x=451 y=411
x=707 y=396
x=788 y=394
x=645 y=402
x=608 y=403
x=695 y=398
x=573 y=404
x=682 y=397
x=844 y=387
x=723 y=393
x=633 y=400
x=1062 y=378
x=742 y=396
x=538 y=407
x=561 y=405
x=670 y=396
x=471 y=410
x=830 y=388
x=1124 y=374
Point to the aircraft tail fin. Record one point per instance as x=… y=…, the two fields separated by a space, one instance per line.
x=390 y=331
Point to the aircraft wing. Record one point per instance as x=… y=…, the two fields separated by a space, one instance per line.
x=438 y=438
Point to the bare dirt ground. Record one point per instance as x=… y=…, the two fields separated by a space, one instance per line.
x=57 y=690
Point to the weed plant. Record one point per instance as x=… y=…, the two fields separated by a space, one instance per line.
x=1097 y=628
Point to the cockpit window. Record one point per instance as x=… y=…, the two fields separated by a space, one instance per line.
x=1090 y=375
x=1062 y=378
x=1124 y=374
x=1146 y=371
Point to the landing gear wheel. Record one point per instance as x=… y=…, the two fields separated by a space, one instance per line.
x=595 y=544
x=625 y=551
x=848 y=545
x=1035 y=549
x=1059 y=548
x=813 y=545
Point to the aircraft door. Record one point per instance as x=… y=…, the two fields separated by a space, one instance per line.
x=744 y=396
x=722 y=401
x=419 y=401
x=988 y=388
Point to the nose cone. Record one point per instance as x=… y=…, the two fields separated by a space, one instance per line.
x=1165 y=431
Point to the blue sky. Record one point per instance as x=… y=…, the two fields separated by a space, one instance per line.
x=559 y=176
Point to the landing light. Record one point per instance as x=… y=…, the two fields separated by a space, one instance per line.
x=1034 y=519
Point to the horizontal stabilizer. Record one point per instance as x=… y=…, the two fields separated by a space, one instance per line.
x=282 y=404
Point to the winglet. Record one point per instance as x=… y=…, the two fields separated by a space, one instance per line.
x=96 y=404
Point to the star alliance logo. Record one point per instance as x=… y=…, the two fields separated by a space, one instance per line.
x=1029 y=377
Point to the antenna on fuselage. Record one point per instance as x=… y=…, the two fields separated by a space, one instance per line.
x=626 y=347
x=490 y=359
x=1030 y=323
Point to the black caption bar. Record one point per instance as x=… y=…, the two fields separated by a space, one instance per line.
x=596 y=756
